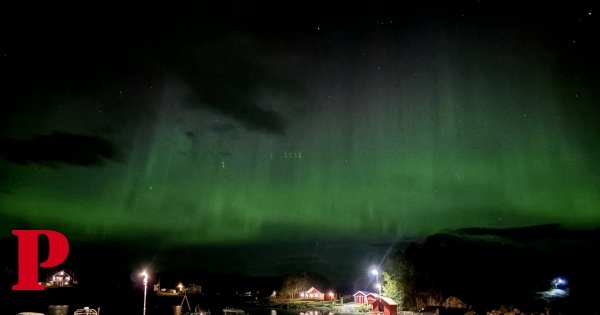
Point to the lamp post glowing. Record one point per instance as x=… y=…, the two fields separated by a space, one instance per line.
x=145 y=275
x=376 y=273
x=378 y=285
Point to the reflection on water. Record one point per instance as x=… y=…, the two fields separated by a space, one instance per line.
x=311 y=313
x=132 y=302
x=267 y=311
x=270 y=311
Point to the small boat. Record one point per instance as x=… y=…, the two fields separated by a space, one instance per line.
x=233 y=311
x=87 y=311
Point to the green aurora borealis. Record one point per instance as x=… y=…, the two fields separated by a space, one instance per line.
x=396 y=135
x=407 y=157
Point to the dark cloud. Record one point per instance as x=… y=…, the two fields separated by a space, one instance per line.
x=225 y=70
x=58 y=148
x=226 y=76
x=222 y=128
x=532 y=233
x=255 y=118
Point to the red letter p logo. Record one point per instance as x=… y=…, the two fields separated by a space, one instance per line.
x=58 y=249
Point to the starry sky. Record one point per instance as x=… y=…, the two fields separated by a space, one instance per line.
x=247 y=124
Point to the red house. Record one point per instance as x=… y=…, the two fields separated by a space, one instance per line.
x=313 y=294
x=361 y=297
x=383 y=304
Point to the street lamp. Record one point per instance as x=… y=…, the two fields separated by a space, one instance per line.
x=378 y=285
x=376 y=273
x=145 y=275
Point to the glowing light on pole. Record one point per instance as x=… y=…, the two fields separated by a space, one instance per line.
x=145 y=275
x=378 y=285
x=376 y=273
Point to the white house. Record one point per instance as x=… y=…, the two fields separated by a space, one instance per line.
x=60 y=279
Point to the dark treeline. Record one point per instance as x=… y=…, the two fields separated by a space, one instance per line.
x=493 y=268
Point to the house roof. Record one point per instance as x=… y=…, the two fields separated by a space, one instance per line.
x=312 y=290
x=389 y=301
x=64 y=273
x=365 y=293
x=374 y=297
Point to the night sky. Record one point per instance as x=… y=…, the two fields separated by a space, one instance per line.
x=248 y=127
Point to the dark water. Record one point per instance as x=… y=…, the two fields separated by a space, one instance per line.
x=124 y=302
